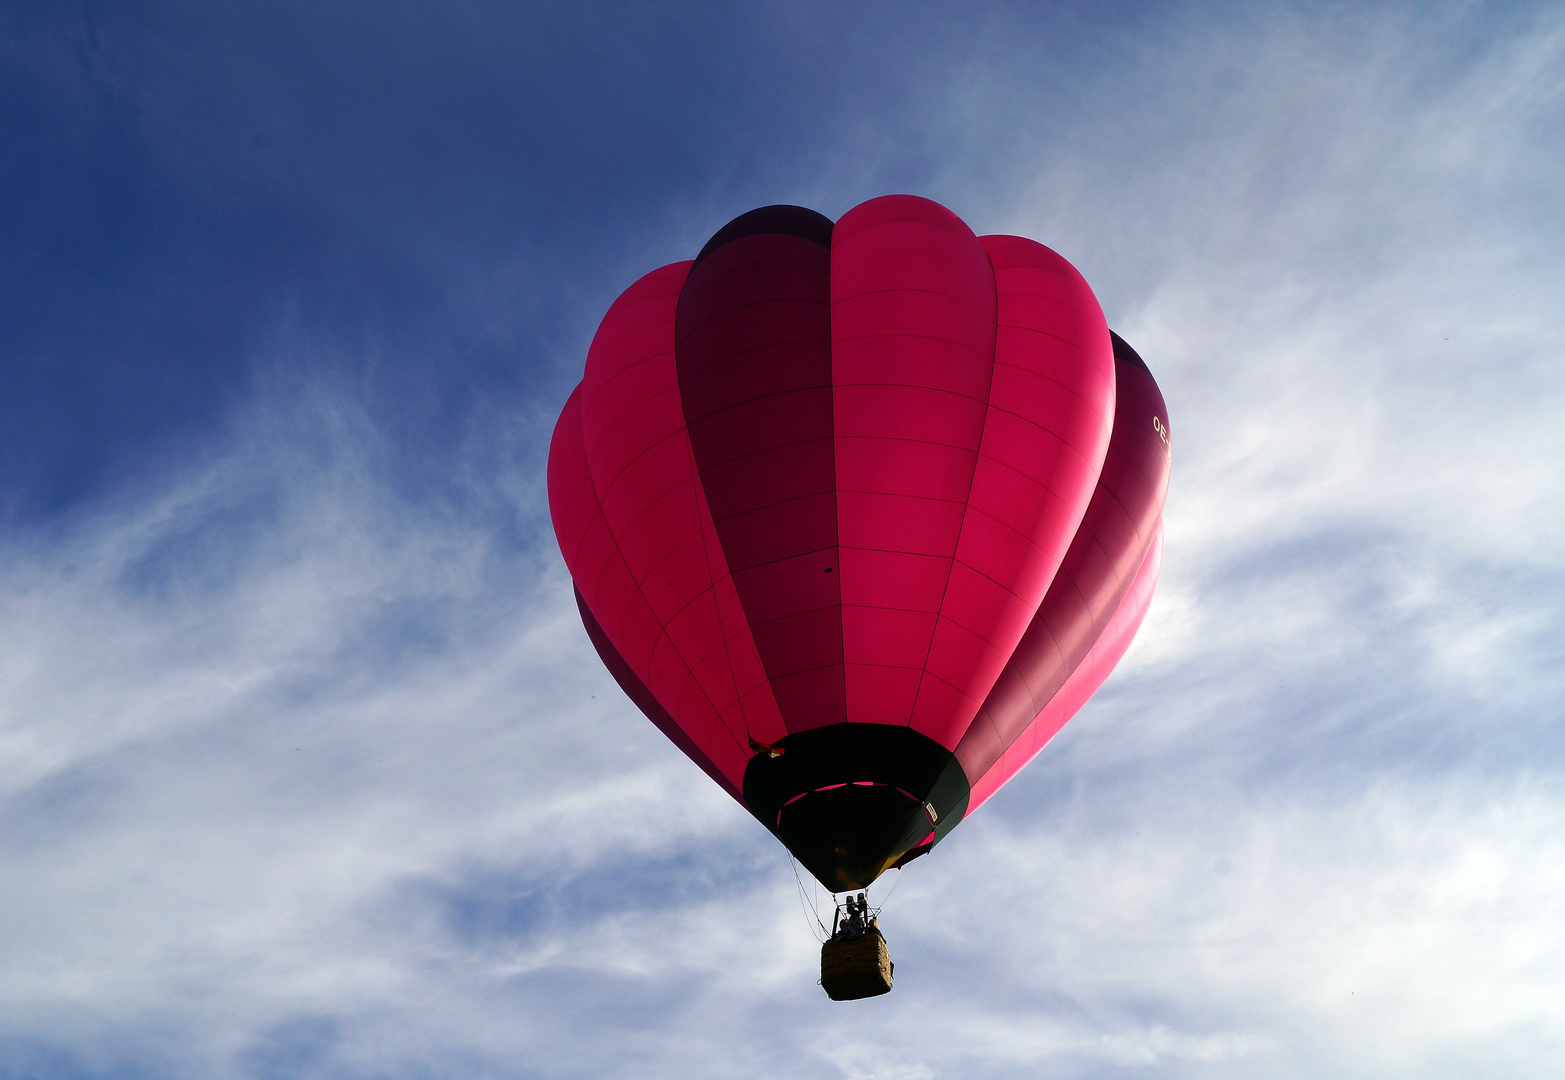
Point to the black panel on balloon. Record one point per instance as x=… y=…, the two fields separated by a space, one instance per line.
x=752 y=341
x=850 y=800
x=781 y=218
x=1123 y=351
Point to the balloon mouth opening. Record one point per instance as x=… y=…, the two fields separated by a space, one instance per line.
x=853 y=800
x=848 y=834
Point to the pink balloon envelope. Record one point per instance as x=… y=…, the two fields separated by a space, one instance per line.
x=859 y=514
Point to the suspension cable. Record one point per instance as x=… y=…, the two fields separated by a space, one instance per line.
x=884 y=900
x=807 y=905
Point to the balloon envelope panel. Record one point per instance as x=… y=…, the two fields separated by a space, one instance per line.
x=855 y=510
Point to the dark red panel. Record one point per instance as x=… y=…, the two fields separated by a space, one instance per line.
x=754 y=363
x=1090 y=674
x=804 y=641
x=768 y=477
x=766 y=535
x=1103 y=559
x=778 y=589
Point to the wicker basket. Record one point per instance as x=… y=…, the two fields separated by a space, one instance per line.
x=856 y=968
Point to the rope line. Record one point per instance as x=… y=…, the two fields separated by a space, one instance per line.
x=806 y=904
x=901 y=873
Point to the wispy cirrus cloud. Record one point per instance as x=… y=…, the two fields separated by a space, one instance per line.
x=308 y=769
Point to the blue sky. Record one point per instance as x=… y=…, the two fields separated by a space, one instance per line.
x=308 y=770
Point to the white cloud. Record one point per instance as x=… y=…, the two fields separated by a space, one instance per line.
x=301 y=776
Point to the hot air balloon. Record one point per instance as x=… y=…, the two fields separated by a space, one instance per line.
x=859 y=514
